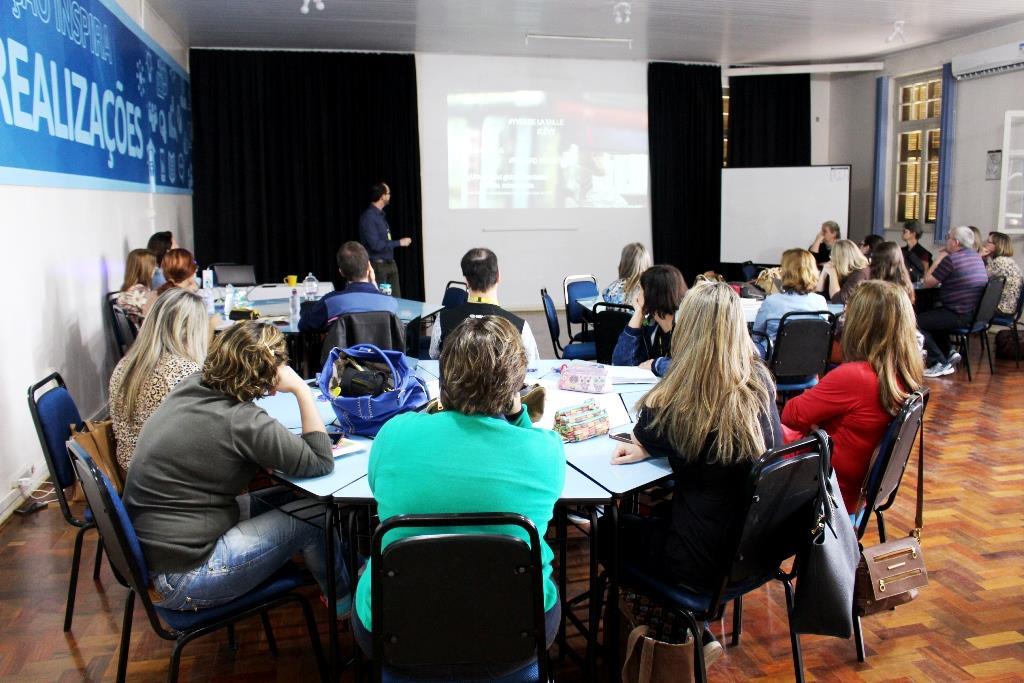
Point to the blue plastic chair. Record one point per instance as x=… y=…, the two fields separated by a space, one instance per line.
x=53 y=413
x=986 y=310
x=780 y=492
x=578 y=287
x=125 y=553
x=455 y=294
x=572 y=350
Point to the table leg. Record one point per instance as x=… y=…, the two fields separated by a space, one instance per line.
x=594 y=604
x=611 y=624
x=332 y=592
x=561 y=537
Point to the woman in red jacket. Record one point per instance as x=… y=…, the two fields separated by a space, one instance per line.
x=855 y=402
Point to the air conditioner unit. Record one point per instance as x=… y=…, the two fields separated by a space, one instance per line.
x=988 y=62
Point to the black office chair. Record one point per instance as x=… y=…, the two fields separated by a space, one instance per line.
x=123 y=329
x=233 y=274
x=53 y=413
x=780 y=497
x=884 y=475
x=801 y=350
x=182 y=627
x=988 y=306
x=609 y=321
x=380 y=328
x=443 y=599
x=572 y=350
x=455 y=294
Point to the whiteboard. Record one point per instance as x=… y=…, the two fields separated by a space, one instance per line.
x=768 y=210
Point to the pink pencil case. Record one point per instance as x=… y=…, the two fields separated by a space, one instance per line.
x=592 y=379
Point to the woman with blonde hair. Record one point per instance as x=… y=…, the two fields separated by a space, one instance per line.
x=481 y=453
x=635 y=259
x=856 y=401
x=847 y=268
x=712 y=415
x=799 y=278
x=998 y=254
x=171 y=346
x=889 y=264
x=199 y=450
x=136 y=294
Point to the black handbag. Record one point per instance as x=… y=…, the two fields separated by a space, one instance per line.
x=827 y=568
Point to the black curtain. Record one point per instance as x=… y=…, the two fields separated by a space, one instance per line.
x=684 y=105
x=287 y=145
x=769 y=120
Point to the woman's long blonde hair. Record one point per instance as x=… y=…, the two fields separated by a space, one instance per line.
x=138 y=269
x=634 y=261
x=847 y=258
x=178 y=325
x=716 y=384
x=880 y=330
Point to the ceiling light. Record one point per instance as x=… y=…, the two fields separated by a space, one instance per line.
x=319 y=4
x=897 y=32
x=621 y=12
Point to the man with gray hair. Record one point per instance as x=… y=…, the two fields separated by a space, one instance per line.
x=961 y=272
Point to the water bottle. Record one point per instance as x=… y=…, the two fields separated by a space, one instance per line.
x=229 y=299
x=312 y=287
x=385 y=288
x=208 y=299
x=294 y=307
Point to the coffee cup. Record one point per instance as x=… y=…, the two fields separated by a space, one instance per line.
x=291 y=280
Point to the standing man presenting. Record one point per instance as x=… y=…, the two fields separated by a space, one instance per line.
x=375 y=234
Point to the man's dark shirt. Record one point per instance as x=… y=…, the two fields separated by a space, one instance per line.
x=375 y=234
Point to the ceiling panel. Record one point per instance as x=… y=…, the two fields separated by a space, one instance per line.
x=728 y=32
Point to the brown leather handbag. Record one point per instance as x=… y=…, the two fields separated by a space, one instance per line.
x=890 y=573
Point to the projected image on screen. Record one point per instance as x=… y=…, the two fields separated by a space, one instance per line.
x=529 y=149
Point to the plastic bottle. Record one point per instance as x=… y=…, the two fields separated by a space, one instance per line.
x=311 y=286
x=209 y=300
x=294 y=307
x=229 y=299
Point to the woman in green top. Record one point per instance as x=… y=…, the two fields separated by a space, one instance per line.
x=480 y=454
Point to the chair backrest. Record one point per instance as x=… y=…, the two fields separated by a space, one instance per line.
x=781 y=491
x=234 y=274
x=53 y=413
x=803 y=344
x=891 y=458
x=577 y=287
x=485 y=603
x=609 y=321
x=123 y=328
x=380 y=328
x=988 y=305
x=552 y=317
x=115 y=527
x=455 y=294
x=749 y=270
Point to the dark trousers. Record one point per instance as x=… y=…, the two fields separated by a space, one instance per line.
x=387 y=271
x=936 y=326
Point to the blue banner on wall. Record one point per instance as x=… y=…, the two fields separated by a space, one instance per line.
x=88 y=100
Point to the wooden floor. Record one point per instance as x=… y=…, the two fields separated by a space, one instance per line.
x=967 y=624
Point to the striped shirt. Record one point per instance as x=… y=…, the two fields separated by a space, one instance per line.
x=963 y=277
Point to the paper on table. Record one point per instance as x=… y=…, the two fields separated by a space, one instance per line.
x=555 y=399
x=632 y=375
x=346 y=446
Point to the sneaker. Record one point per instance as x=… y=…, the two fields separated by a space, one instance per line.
x=712 y=649
x=939 y=369
x=954 y=359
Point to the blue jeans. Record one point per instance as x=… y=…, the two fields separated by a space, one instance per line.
x=247 y=555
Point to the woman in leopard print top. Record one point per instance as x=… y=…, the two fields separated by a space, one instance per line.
x=171 y=346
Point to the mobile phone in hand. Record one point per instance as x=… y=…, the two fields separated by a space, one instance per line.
x=624 y=437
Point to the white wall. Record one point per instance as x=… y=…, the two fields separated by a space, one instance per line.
x=535 y=248
x=980 y=105
x=66 y=250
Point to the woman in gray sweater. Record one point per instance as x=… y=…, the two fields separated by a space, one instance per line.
x=199 y=450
